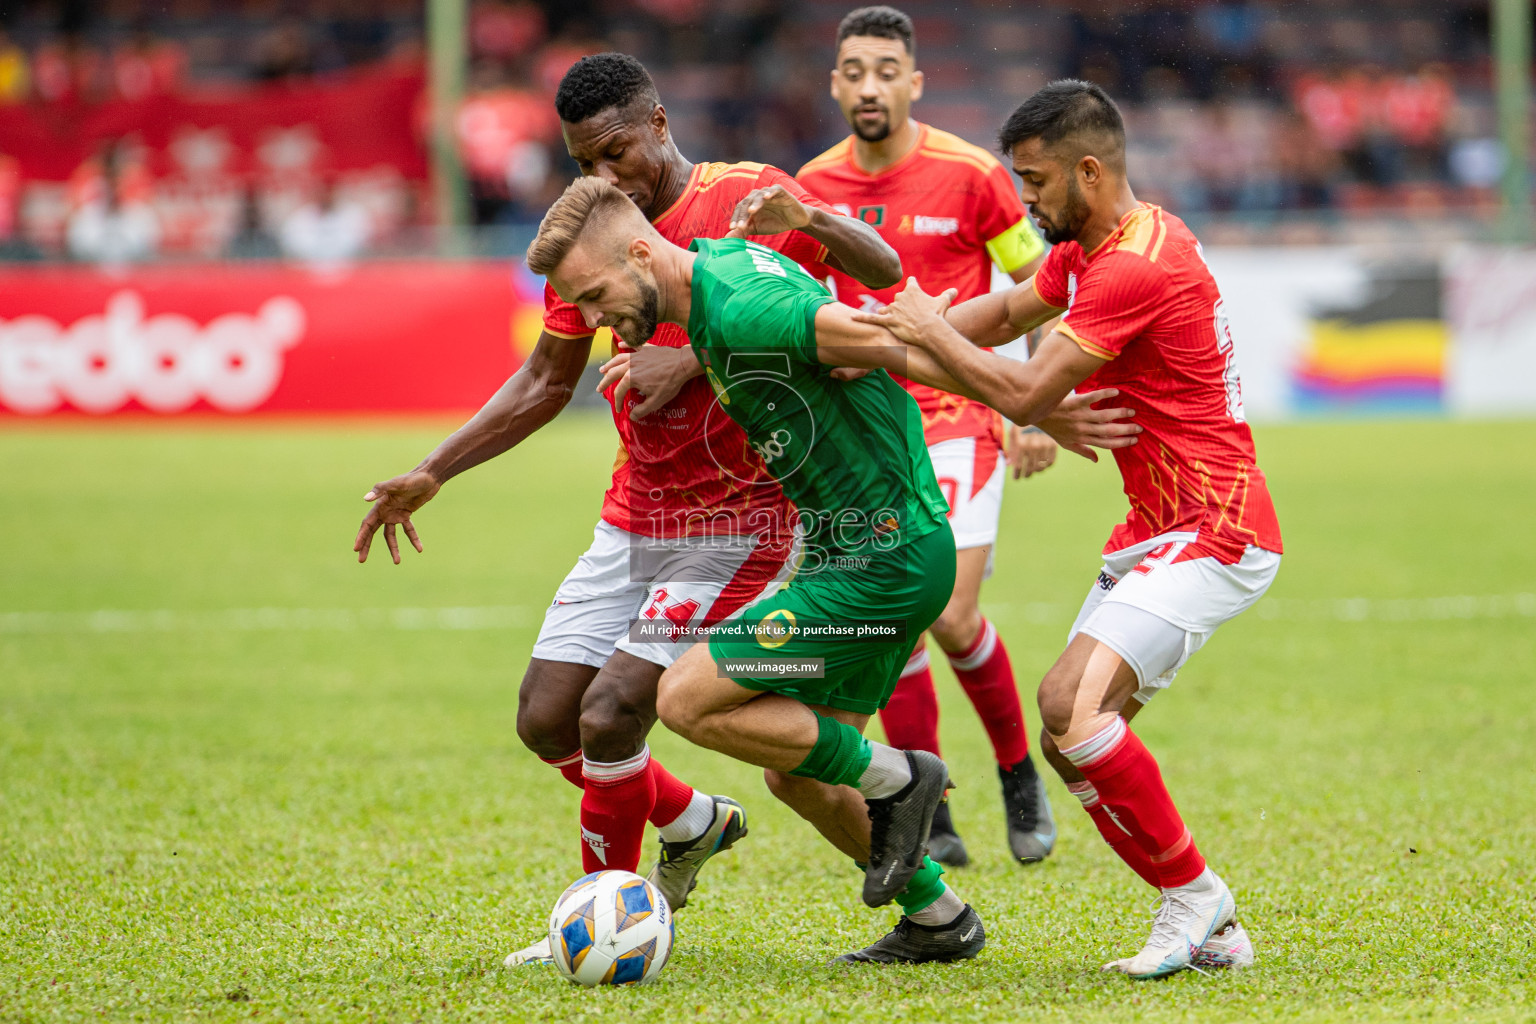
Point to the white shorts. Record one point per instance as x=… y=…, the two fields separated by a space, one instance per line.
x=628 y=589
x=1155 y=611
x=973 y=513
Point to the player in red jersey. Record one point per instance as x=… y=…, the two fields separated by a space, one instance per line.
x=1201 y=543
x=692 y=528
x=950 y=210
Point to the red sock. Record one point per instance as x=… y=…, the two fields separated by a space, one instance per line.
x=986 y=675
x=614 y=806
x=911 y=717
x=569 y=766
x=1131 y=787
x=1118 y=838
x=672 y=796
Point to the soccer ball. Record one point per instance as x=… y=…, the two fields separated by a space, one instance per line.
x=610 y=928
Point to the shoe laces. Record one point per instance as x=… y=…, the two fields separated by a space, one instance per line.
x=1171 y=914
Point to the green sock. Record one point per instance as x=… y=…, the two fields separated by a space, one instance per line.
x=926 y=886
x=839 y=757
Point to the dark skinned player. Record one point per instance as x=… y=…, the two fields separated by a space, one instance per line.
x=692 y=528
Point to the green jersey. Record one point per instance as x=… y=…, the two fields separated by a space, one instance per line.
x=849 y=454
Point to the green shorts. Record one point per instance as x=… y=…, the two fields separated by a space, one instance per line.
x=897 y=593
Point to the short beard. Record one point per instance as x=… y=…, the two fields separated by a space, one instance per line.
x=878 y=133
x=1074 y=215
x=644 y=318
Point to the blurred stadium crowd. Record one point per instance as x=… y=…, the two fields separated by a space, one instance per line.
x=1258 y=119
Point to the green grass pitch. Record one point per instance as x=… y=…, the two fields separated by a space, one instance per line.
x=326 y=814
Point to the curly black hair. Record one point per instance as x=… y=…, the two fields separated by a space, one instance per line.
x=601 y=81
x=881 y=22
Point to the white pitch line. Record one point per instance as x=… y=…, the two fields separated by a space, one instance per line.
x=487 y=617
x=1324 y=609
x=165 y=620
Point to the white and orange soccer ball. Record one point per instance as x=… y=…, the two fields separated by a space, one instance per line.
x=610 y=928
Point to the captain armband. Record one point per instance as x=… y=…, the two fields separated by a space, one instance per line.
x=1016 y=246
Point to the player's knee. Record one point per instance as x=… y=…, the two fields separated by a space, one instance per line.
x=547 y=729
x=1057 y=695
x=673 y=707
x=614 y=721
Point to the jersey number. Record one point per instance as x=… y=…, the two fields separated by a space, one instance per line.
x=679 y=613
x=1229 y=375
x=1225 y=347
x=1160 y=555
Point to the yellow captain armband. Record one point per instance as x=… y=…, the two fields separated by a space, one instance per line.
x=1015 y=247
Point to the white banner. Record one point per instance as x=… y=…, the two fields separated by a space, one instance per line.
x=1330 y=331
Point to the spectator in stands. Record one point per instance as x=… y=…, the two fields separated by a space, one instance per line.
x=15 y=79
x=12 y=245
x=326 y=234
x=111 y=230
x=285 y=52
x=145 y=66
x=252 y=240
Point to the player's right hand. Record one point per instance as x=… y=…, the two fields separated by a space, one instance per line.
x=1079 y=428
x=394 y=501
x=657 y=373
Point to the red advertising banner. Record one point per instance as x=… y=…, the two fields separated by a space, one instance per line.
x=358 y=122
x=383 y=337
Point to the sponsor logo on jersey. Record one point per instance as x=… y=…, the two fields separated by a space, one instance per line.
x=919 y=225
x=714 y=382
x=776 y=629
x=774 y=447
x=1106 y=581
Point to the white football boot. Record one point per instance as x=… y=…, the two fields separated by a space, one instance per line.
x=1185 y=920
x=538 y=953
x=1229 y=947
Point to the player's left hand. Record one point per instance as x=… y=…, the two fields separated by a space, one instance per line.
x=655 y=372
x=1029 y=451
x=768 y=211
x=912 y=313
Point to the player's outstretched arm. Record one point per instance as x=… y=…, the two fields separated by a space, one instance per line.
x=852 y=246
x=1024 y=392
x=843 y=341
x=845 y=337
x=999 y=317
x=530 y=398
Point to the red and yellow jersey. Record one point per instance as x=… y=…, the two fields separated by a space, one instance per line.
x=1145 y=300
x=681 y=471
x=950 y=210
